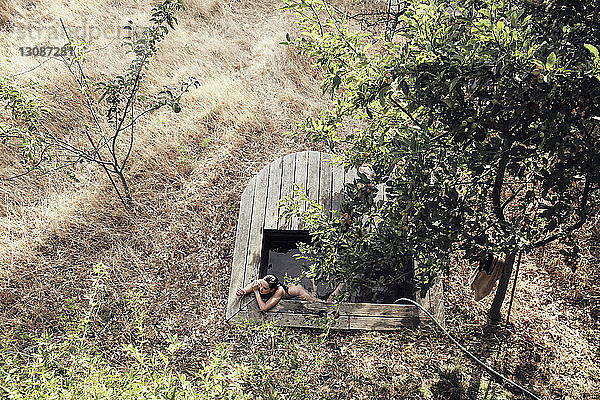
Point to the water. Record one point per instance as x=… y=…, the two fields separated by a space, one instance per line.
x=280 y=249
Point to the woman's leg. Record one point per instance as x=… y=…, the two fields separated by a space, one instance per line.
x=298 y=290
x=336 y=292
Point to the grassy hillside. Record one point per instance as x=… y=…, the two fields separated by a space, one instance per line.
x=173 y=250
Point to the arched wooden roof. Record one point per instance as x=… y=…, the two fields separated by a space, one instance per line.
x=323 y=178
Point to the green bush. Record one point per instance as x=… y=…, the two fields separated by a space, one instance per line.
x=72 y=367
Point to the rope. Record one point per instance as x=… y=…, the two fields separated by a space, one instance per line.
x=467 y=352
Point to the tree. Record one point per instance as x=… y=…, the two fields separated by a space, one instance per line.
x=107 y=142
x=481 y=121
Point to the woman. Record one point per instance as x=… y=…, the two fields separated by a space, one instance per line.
x=268 y=291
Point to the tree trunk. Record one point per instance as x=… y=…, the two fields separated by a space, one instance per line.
x=128 y=199
x=494 y=313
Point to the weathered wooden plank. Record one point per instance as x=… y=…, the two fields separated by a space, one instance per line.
x=240 y=251
x=325 y=182
x=300 y=179
x=377 y=323
x=299 y=313
x=314 y=175
x=354 y=309
x=396 y=311
x=287 y=182
x=425 y=301
x=350 y=175
x=313 y=183
x=437 y=300
x=238 y=316
x=337 y=186
x=249 y=311
x=383 y=310
x=256 y=226
x=305 y=320
x=380 y=193
x=273 y=194
x=303 y=307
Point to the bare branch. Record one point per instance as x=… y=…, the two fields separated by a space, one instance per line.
x=580 y=212
x=33 y=168
x=401 y=107
x=498 y=182
x=127 y=105
x=512 y=197
x=130 y=141
x=83 y=83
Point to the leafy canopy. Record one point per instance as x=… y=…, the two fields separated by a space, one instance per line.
x=479 y=120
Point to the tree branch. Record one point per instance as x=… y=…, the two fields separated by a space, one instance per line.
x=33 y=168
x=512 y=197
x=497 y=188
x=83 y=83
x=580 y=212
x=129 y=101
x=130 y=141
x=401 y=107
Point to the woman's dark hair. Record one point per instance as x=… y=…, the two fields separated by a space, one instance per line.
x=272 y=281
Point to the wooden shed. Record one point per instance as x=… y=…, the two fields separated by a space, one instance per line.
x=324 y=181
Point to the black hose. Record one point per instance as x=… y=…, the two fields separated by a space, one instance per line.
x=484 y=366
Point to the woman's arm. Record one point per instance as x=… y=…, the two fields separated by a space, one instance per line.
x=243 y=291
x=264 y=306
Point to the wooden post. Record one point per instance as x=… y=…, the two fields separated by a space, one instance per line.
x=494 y=313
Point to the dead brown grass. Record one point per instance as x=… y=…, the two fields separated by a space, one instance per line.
x=187 y=174
x=5 y=11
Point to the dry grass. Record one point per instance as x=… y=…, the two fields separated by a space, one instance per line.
x=187 y=175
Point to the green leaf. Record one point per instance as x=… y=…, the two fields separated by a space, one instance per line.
x=485 y=12
x=592 y=49
x=291 y=6
x=550 y=61
x=405 y=89
x=382 y=92
x=499 y=26
x=453 y=84
x=336 y=83
x=102 y=96
x=514 y=19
